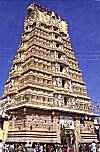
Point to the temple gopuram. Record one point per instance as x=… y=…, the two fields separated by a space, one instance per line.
x=45 y=98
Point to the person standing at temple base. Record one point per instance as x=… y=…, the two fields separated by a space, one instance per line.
x=29 y=147
x=89 y=148
x=80 y=147
x=12 y=148
x=68 y=149
x=1 y=146
x=98 y=147
x=41 y=148
x=93 y=147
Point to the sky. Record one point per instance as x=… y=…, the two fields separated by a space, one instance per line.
x=83 y=18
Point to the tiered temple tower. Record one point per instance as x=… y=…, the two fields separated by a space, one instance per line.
x=45 y=83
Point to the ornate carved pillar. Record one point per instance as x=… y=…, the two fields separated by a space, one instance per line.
x=77 y=134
